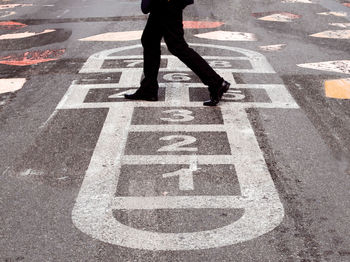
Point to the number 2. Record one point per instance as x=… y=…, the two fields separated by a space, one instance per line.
x=178 y=146
x=133 y=63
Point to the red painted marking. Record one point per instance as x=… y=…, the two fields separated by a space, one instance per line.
x=11 y=25
x=32 y=57
x=347 y=4
x=201 y=24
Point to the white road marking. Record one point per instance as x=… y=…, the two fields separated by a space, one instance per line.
x=280 y=17
x=341 y=14
x=335 y=34
x=115 y=36
x=228 y=36
x=11 y=84
x=298 y=1
x=93 y=210
x=272 y=47
x=340 y=66
x=342 y=25
x=11 y=6
x=7 y=13
x=24 y=35
x=64 y=12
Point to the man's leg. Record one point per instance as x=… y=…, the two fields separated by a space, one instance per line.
x=174 y=38
x=150 y=40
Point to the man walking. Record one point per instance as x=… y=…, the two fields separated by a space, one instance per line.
x=165 y=20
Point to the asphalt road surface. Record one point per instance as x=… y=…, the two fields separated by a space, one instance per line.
x=88 y=176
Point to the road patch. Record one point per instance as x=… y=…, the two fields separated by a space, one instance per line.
x=338 y=88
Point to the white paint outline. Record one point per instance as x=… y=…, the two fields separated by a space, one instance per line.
x=93 y=210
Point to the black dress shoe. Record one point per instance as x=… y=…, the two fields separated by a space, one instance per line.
x=141 y=95
x=216 y=95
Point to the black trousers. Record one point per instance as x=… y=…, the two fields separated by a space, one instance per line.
x=165 y=20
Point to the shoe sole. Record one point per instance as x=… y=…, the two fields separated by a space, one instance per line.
x=141 y=99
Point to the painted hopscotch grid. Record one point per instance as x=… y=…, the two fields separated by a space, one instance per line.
x=97 y=200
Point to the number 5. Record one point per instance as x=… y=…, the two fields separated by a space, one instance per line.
x=179 y=115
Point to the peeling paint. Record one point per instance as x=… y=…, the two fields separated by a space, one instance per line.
x=280 y=17
x=272 y=47
x=201 y=24
x=24 y=35
x=10 y=6
x=342 y=25
x=298 y=1
x=32 y=57
x=115 y=36
x=341 y=14
x=338 y=88
x=336 y=34
x=7 y=13
x=228 y=36
x=11 y=25
x=11 y=84
x=339 y=66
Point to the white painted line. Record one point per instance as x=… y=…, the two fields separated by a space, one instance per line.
x=339 y=66
x=177 y=128
x=342 y=25
x=228 y=36
x=272 y=47
x=64 y=12
x=180 y=202
x=334 y=34
x=336 y=8
x=130 y=78
x=178 y=160
x=7 y=13
x=115 y=36
x=280 y=17
x=340 y=14
x=24 y=35
x=176 y=94
x=298 y=1
x=11 y=84
x=121 y=105
x=11 y=6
